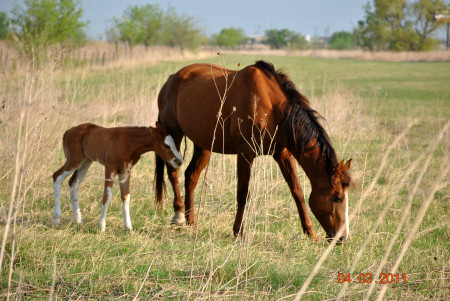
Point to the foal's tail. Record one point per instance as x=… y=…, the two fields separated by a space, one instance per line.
x=159 y=181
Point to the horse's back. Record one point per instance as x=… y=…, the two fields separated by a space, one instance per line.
x=191 y=100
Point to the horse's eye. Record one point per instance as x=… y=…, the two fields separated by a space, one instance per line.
x=337 y=199
x=166 y=146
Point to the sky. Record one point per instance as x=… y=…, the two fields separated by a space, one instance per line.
x=320 y=17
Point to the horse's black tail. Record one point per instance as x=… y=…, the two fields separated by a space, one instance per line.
x=159 y=181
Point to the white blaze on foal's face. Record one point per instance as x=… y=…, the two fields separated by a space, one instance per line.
x=169 y=142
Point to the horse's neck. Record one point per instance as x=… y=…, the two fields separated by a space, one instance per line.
x=316 y=170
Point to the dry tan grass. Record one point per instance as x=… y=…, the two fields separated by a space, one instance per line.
x=390 y=56
x=121 y=55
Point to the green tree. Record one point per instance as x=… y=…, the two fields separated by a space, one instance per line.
x=140 y=24
x=42 y=23
x=229 y=37
x=180 y=30
x=282 y=38
x=3 y=25
x=399 y=25
x=278 y=38
x=342 y=40
x=297 y=41
x=424 y=24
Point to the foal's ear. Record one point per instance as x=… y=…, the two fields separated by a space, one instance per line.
x=154 y=132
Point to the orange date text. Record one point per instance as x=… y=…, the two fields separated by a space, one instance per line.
x=368 y=278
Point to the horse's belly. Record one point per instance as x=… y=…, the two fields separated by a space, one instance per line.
x=210 y=138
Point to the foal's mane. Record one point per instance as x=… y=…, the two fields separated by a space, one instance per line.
x=302 y=122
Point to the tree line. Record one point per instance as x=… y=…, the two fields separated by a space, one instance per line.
x=396 y=25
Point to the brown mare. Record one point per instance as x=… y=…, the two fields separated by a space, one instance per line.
x=118 y=149
x=258 y=100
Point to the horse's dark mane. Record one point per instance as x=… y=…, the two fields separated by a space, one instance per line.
x=302 y=122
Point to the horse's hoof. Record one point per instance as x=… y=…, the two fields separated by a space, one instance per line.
x=178 y=219
x=56 y=222
x=190 y=223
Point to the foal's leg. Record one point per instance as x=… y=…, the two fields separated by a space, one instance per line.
x=288 y=168
x=244 y=165
x=58 y=177
x=74 y=187
x=107 y=196
x=172 y=174
x=124 y=183
x=198 y=162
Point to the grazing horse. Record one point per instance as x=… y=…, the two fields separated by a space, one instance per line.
x=118 y=149
x=209 y=103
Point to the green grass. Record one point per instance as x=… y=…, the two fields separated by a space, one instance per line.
x=367 y=105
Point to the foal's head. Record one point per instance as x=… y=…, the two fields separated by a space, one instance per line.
x=329 y=204
x=164 y=146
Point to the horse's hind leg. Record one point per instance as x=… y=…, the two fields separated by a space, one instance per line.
x=198 y=162
x=286 y=162
x=74 y=187
x=58 y=178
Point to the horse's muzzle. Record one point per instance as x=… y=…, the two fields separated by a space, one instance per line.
x=331 y=236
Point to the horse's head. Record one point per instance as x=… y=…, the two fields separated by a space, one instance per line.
x=329 y=203
x=164 y=146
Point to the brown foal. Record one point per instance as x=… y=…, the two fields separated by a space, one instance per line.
x=118 y=149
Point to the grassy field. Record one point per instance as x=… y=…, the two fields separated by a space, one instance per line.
x=390 y=117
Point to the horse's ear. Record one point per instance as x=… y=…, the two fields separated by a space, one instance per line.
x=348 y=164
x=341 y=165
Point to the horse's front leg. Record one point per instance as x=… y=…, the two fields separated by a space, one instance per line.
x=107 y=196
x=244 y=166
x=178 y=205
x=286 y=162
x=124 y=183
x=199 y=160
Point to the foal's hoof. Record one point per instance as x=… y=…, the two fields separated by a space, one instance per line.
x=178 y=219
